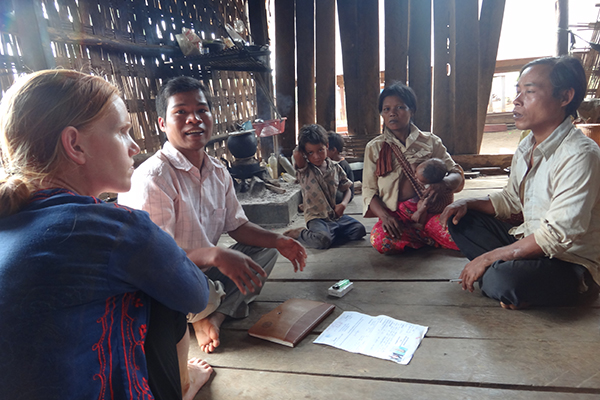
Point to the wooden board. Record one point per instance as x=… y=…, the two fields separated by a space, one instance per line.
x=232 y=383
x=366 y=263
x=467 y=322
x=506 y=363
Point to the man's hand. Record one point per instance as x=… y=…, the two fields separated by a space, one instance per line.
x=457 y=210
x=473 y=271
x=239 y=268
x=339 y=209
x=293 y=251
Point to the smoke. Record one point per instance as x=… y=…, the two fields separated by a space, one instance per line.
x=284 y=104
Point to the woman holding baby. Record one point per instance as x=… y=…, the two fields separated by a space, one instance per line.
x=391 y=187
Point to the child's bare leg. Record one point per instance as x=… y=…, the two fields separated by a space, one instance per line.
x=194 y=372
x=208 y=330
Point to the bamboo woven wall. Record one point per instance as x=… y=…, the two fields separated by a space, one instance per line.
x=131 y=43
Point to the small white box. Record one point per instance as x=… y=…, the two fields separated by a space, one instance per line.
x=340 y=288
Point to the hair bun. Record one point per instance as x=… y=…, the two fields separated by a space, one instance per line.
x=14 y=194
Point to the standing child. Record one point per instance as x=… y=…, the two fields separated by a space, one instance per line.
x=320 y=178
x=336 y=147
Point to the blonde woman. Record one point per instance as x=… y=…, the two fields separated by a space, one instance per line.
x=77 y=275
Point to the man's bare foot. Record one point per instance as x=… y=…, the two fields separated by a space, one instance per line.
x=513 y=307
x=199 y=372
x=207 y=332
x=293 y=233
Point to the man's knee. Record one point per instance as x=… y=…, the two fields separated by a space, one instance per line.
x=500 y=284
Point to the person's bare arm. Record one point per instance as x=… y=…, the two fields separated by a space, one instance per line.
x=341 y=207
x=459 y=208
x=390 y=224
x=452 y=183
x=299 y=158
x=524 y=248
x=253 y=235
x=234 y=264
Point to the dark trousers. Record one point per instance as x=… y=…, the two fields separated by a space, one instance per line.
x=322 y=234
x=166 y=328
x=542 y=281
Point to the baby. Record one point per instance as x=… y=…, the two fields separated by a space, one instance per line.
x=428 y=172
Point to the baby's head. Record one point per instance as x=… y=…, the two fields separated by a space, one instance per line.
x=431 y=171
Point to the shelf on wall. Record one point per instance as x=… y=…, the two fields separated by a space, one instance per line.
x=248 y=58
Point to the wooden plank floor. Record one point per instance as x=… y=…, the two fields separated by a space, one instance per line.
x=473 y=349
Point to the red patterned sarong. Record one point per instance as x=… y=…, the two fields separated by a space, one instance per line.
x=414 y=236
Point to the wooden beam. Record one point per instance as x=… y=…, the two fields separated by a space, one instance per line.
x=305 y=65
x=443 y=104
x=85 y=39
x=466 y=75
x=325 y=63
x=562 y=19
x=257 y=14
x=360 y=57
x=503 y=66
x=348 y=21
x=33 y=35
x=368 y=15
x=396 y=41
x=285 y=71
x=490 y=25
x=264 y=83
x=468 y=161
x=419 y=60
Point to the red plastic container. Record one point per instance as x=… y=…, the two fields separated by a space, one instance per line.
x=275 y=127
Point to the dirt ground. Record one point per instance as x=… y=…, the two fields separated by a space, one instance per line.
x=500 y=142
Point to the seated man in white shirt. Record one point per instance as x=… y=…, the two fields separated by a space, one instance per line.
x=190 y=195
x=553 y=257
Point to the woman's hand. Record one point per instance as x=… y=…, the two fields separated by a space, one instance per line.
x=436 y=192
x=391 y=226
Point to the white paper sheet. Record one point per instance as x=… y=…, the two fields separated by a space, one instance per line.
x=381 y=336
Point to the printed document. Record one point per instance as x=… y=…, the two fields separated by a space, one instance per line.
x=381 y=336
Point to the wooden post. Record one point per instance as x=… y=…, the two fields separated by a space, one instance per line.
x=305 y=68
x=264 y=86
x=257 y=15
x=443 y=103
x=360 y=56
x=419 y=60
x=396 y=40
x=285 y=72
x=562 y=19
x=348 y=21
x=33 y=35
x=490 y=25
x=466 y=75
x=325 y=44
x=369 y=83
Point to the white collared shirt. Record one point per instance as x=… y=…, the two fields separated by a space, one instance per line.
x=193 y=206
x=559 y=196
